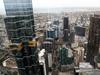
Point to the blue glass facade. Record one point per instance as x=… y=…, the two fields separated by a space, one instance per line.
x=19 y=21
x=20 y=27
x=18 y=7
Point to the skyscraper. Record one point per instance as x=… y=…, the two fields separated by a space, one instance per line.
x=20 y=28
x=65 y=23
x=93 y=39
x=19 y=20
x=65 y=29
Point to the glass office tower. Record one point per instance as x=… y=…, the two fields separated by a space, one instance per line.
x=19 y=20
x=20 y=28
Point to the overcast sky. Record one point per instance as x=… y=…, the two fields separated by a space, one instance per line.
x=59 y=3
x=66 y=3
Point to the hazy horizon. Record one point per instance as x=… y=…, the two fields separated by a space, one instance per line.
x=63 y=9
x=52 y=4
x=66 y=9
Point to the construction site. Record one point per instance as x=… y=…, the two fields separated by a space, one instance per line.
x=31 y=43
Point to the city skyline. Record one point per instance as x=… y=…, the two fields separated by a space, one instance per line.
x=44 y=4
